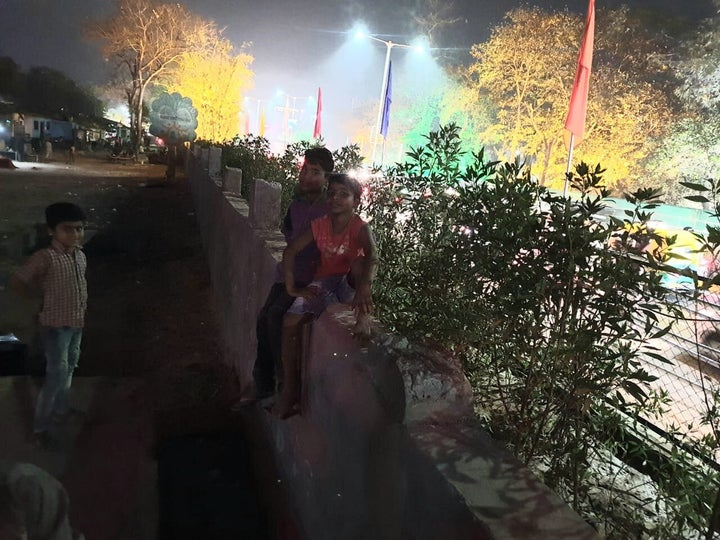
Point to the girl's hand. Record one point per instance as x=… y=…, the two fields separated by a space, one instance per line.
x=362 y=303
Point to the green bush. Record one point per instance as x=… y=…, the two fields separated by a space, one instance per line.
x=521 y=283
x=252 y=154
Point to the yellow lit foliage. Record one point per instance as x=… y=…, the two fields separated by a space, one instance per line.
x=143 y=40
x=215 y=79
x=526 y=71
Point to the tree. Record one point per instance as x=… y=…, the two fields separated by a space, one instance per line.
x=45 y=91
x=51 y=92
x=525 y=71
x=145 y=39
x=214 y=78
x=700 y=70
x=692 y=151
x=9 y=78
x=434 y=16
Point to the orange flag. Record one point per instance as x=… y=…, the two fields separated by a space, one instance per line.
x=318 y=116
x=575 y=121
x=261 y=127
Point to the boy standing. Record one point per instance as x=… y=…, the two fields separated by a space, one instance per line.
x=346 y=244
x=308 y=205
x=58 y=272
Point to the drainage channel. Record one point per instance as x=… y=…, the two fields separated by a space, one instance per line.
x=207 y=489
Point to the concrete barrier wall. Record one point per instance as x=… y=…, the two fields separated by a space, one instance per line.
x=386 y=446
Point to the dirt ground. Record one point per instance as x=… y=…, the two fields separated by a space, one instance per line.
x=159 y=420
x=149 y=308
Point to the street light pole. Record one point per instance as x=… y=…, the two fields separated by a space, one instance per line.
x=383 y=87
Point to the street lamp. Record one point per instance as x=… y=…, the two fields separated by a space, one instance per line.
x=383 y=88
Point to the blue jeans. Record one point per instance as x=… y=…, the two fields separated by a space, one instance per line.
x=62 y=352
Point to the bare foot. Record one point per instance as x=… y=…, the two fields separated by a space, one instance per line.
x=285 y=407
x=362 y=327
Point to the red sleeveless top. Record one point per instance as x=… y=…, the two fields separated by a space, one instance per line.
x=337 y=251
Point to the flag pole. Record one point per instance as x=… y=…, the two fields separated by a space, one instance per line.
x=569 y=164
x=317 y=130
x=575 y=120
x=385 y=119
x=383 y=91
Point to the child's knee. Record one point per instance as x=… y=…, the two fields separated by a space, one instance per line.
x=291 y=320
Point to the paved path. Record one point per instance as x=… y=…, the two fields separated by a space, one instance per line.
x=150 y=383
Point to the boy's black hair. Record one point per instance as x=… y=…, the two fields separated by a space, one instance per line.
x=320 y=156
x=348 y=181
x=63 y=211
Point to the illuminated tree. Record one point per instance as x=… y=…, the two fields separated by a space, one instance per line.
x=145 y=39
x=692 y=151
x=214 y=79
x=525 y=72
x=700 y=71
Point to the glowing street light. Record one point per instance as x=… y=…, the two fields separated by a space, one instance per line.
x=360 y=34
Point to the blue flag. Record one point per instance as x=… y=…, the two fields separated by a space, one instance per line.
x=386 y=106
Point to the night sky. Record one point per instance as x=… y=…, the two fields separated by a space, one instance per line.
x=291 y=39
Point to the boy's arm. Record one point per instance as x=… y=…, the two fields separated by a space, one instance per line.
x=363 y=286
x=24 y=280
x=295 y=247
x=20 y=287
x=286 y=226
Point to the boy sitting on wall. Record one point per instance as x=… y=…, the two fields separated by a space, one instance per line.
x=345 y=242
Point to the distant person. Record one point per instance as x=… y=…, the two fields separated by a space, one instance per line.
x=58 y=272
x=71 y=153
x=18 y=145
x=28 y=151
x=308 y=204
x=48 y=149
x=33 y=505
x=345 y=243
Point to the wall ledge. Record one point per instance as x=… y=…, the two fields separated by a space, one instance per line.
x=386 y=446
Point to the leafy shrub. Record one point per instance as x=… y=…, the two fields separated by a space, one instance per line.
x=521 y=284
x=252 y=154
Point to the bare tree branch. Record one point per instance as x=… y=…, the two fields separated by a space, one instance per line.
x=145 y=39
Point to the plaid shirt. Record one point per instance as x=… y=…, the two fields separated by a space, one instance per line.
x=60 y=275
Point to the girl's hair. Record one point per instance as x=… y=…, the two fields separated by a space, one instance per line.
x=348 y=181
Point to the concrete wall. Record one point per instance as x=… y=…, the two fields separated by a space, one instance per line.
x=386 y=446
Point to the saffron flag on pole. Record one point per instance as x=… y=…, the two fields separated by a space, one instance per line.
x=575 y=121
x=385 y=123
x=318 y=116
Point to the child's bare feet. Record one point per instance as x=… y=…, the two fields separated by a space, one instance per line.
x=362 y=326
x=285 y=407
